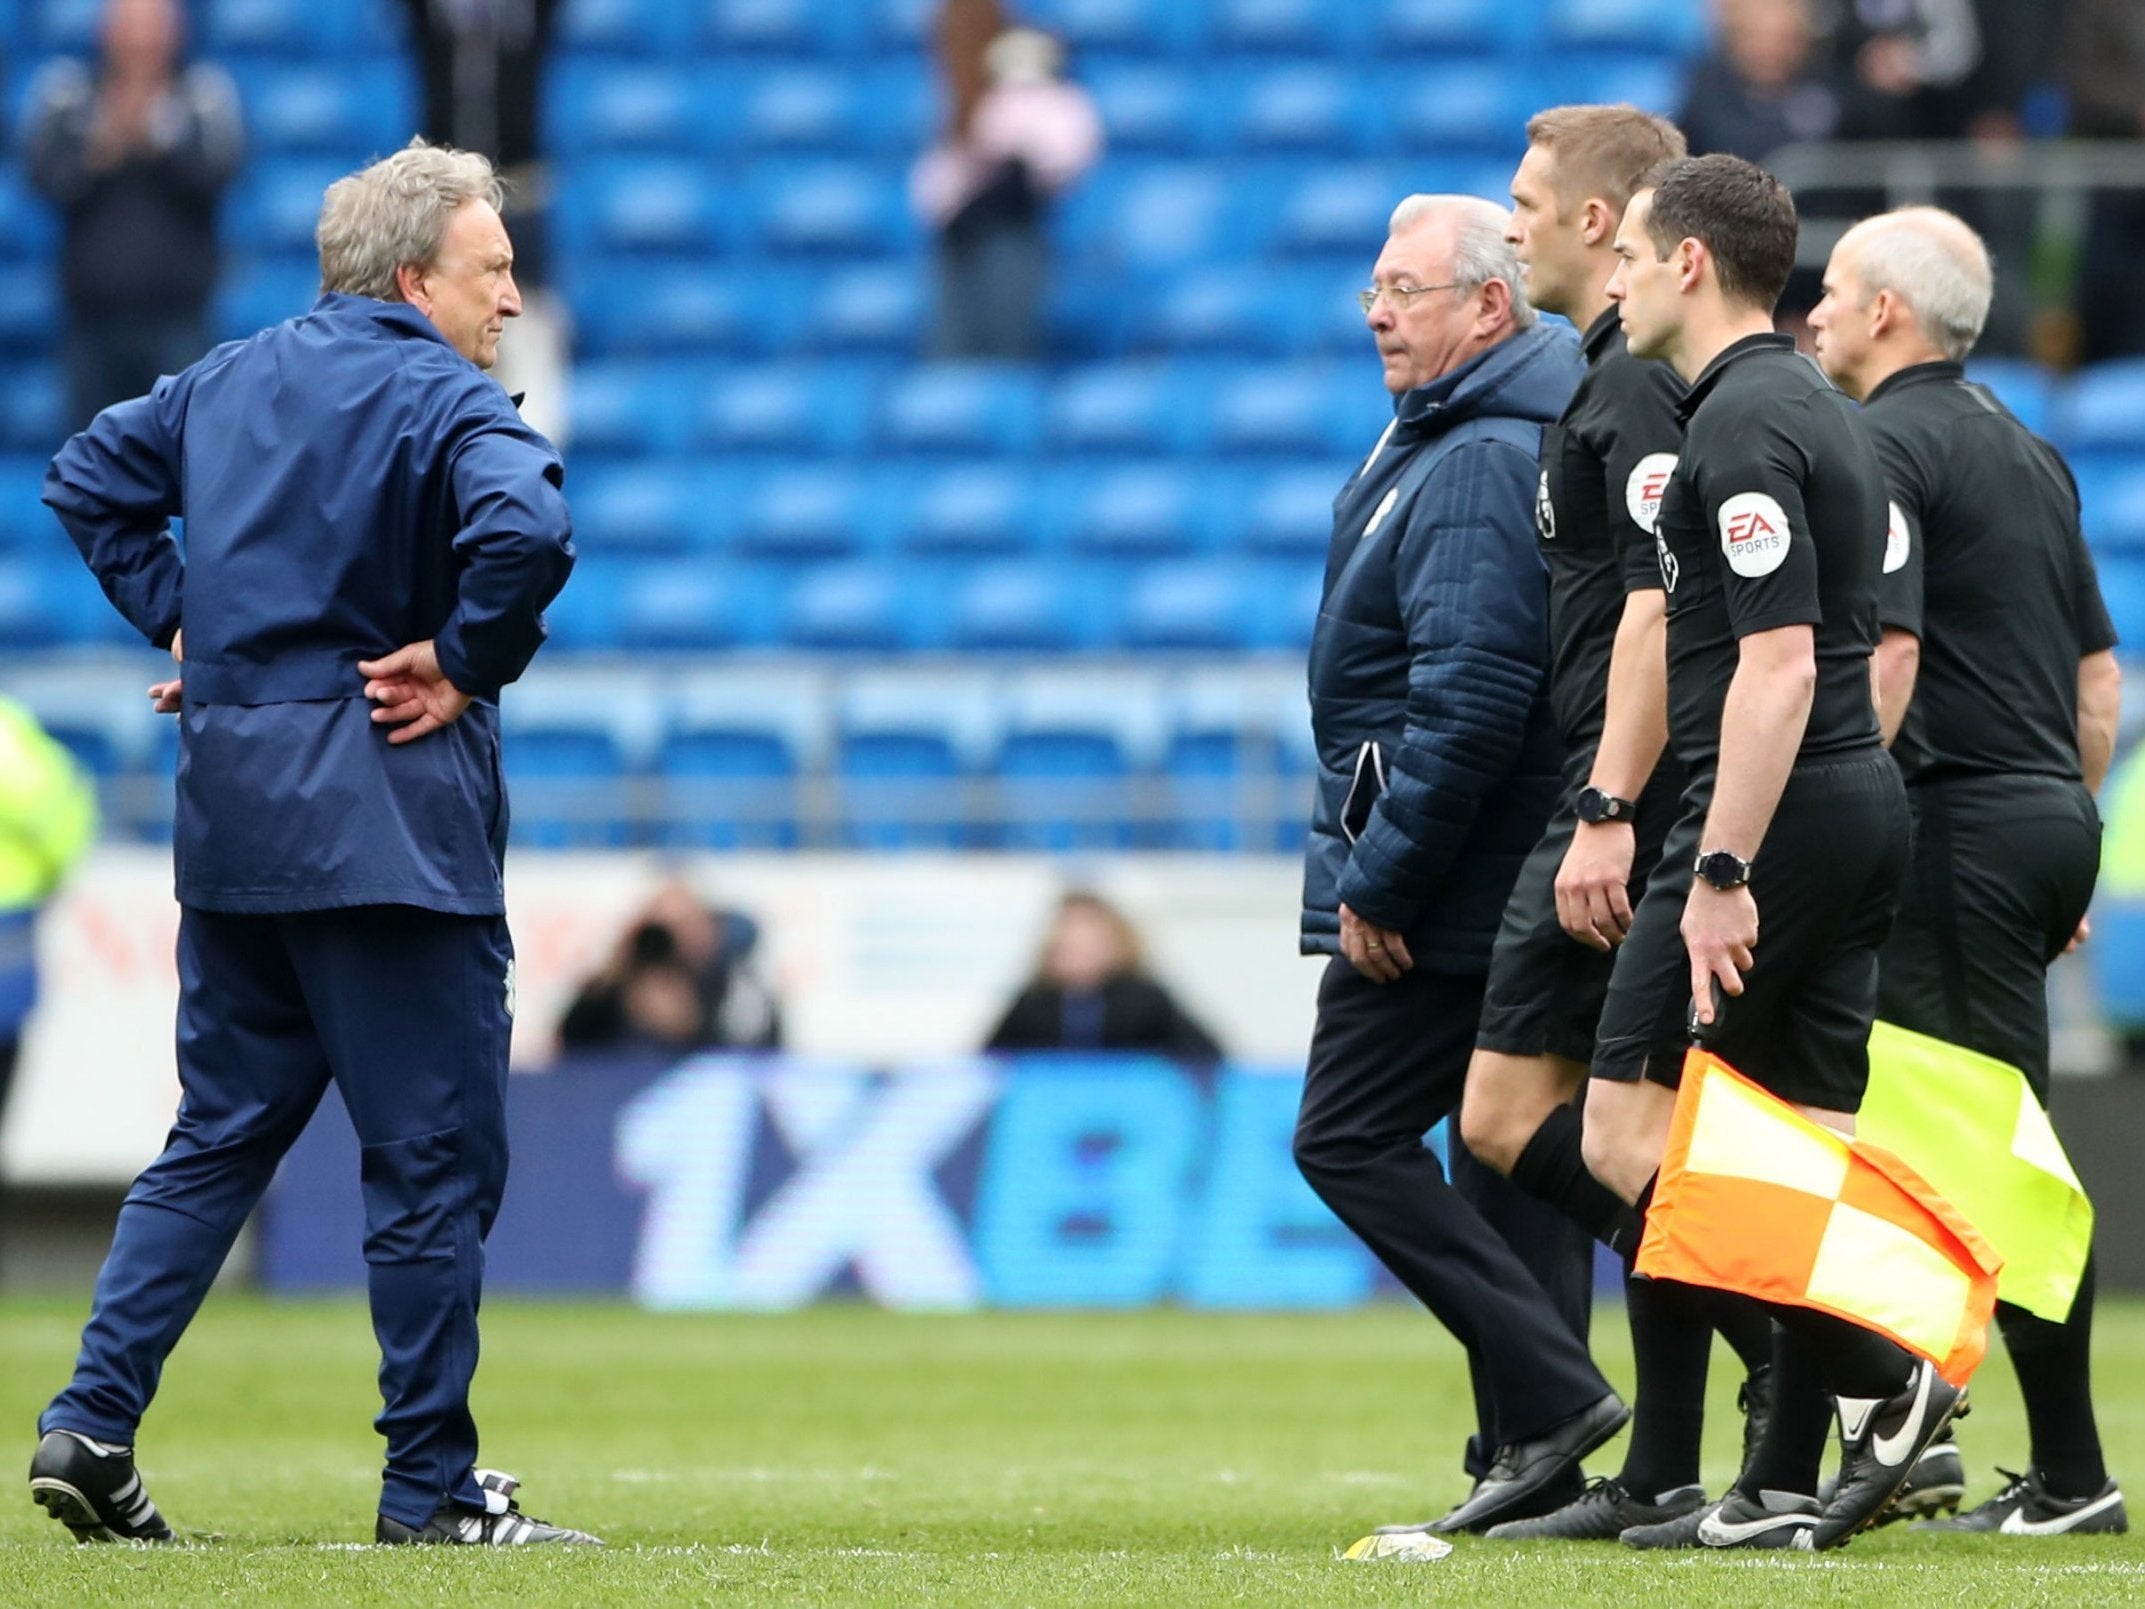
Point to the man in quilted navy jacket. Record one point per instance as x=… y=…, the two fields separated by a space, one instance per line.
x=371 y=536
x=1438 y=764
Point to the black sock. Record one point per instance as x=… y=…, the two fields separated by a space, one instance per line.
x=1790 y=1456
x=1744 y=1325
x=1671 y=1338
x=1552 y=1169
x=2055 y=1375
x=1857 y=1362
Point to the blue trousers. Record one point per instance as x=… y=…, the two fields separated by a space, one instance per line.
x=407 y=1011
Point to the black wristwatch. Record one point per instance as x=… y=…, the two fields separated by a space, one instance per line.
x=1723 y=870
x=1595 y=807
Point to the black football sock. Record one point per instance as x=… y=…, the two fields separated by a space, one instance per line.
x=1671 y=1341
x=1745 y=1326
x=1552 y=1169
x=2055 y=1375
x=1790 y=1455
x=1857 y=1362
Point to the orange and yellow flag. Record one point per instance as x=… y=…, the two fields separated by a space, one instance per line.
x=1755 y=1198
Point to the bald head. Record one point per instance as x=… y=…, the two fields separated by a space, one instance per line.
x=1904 y=287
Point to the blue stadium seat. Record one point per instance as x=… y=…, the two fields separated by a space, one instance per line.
x=642 y=206
x=985 y=509
x=1290 y=511
x=855 y=608
x=262 y=292
x=674 y=311
x=1311 y=108
x=1478 y=106
x=1148 y=215
x=630 y=408
x=689 y=605
x=832 y=110
x=2111 y=497
x=1651 y=82
x=594 y=107
x=29 y=228
x=647 y=507
x=296 y=28
x=68 y=26
x=1197 y=604
x=902 y=25
x=2117 y=954
x=1209 y=309
x=1137 y=511
x=905 y=745
x=731 y=755
x=2024 y=387
x=962 y=408
x=566 y=754
x=1302 y=411
x=1021 y=608
x=820 y=209
x=1226 y=778
x=276 y=205
x=2122 y=587
x=26 y=525
x=2107 y=406
x=655 y=29
x=1155 y=108
x=783 y=408
x=871 y=311
x=584 y=618
x=1296 y=28
x=1127 y=27
x=1124 y=408
x=805 y=511
x=1661 y=25
x=33 y=413
x=1340 y=207
x=37 y=608
x=1285 y=600
x=1066 y=760
x=350 y=110
x=1448 y=27
x=778 y=28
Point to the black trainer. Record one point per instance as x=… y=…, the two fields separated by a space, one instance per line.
x=1934 y=1485
x=2026 y=1507
x=1680 y=1532
x=1548 y=1500
x=1520 y=1471
x=500 y=1523
x=1773 y=1520
x=1601 y=1513
x=1882 y=1437
x=93 y=1488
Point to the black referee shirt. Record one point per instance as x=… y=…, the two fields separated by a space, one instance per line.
x=1983 y=561
x=1605 y=465
x=1775 y=517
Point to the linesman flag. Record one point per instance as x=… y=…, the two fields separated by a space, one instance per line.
x=1755 y=1198
x=1971 y=1126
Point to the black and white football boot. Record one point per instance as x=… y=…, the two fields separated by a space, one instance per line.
x=1881 y=1440
x=93 y=1488
x=499 y=1524
x=2026 y=1507
x=1772 y=1520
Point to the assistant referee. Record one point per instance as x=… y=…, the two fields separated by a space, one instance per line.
x=1997 y=673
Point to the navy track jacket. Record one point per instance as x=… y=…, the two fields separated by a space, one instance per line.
x=349 y=483
x=1438 y=757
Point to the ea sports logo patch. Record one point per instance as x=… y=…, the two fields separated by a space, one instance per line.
x=1646 y=487
x=1545 y=512
x=1753 y=533
x=1898 y=543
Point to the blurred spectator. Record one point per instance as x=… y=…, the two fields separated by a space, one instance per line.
x=1091 y=991
x=986 y=188
x=135 y=152
x=481 y=65
x=681 y=978
x=2102 y=63
x=48 y=818
x=1931 y=69
x=1764 y=83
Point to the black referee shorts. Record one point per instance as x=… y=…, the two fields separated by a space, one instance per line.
x=1545 y=987
x=1827 y=881
x=2003 y=868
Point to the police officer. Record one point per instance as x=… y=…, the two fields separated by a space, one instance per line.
x=1604 y=467
x=371 y=536
x=1437 y=768
x=1771 y=536
x=1997 y=674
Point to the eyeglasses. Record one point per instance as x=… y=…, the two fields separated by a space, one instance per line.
x=1402 y=296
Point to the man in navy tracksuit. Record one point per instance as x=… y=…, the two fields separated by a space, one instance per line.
x=1439 y=765
x=371 y=534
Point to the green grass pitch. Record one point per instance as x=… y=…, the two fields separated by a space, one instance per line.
x=845 y=1455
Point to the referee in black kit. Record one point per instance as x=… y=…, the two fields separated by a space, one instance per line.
x=1771 y=542
x=1997 y=673
x=1604 y=467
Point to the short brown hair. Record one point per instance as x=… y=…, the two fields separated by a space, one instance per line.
x=1740 y=213
x=1604 y=151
